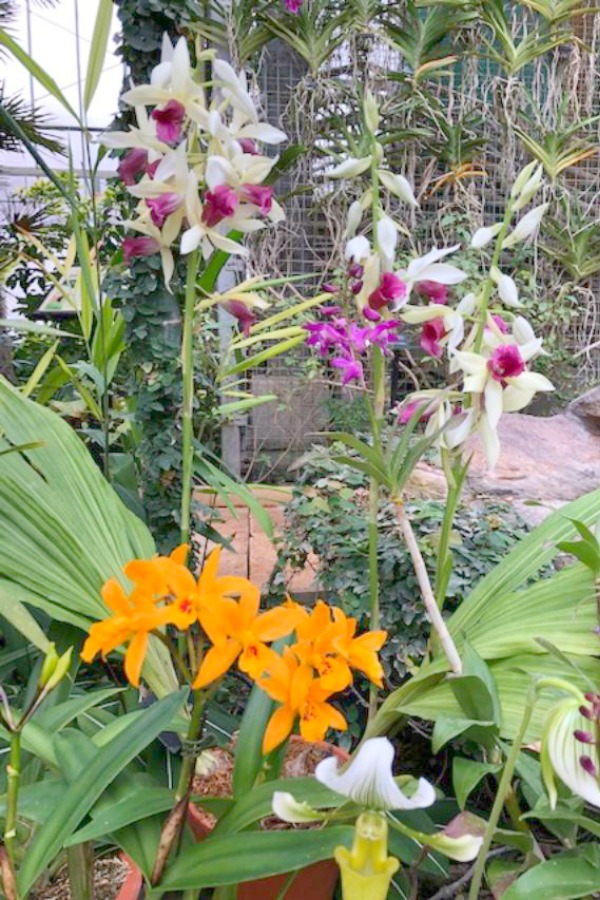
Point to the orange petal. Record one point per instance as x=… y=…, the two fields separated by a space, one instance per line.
x=279 y=727
x=275 y=623
x=147 y=574
x=255 y=659
x=134 y=658
x=209 y=569
x=115 y=597
x=216 y=662
x=302 y=680
x=180 y=554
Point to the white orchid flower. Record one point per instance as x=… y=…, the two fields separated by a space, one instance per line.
x=164 y=238
x=429 y=268
x=171 y=80
x=368 y=779
x=527 y=227
x=507 y=289
x=387 y=238
x=143 y=136
x=199 y=234
x=454 y=325
x=349 y=168
x=399 y=186
x=482 y=237
x=357 y=249
x=234 y=88
x=503 y=385
x=569 y=749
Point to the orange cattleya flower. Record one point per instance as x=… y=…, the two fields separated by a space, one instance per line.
x=294 y=685
x=326 y=641
x=133 y=620
x=237 y=629
x=359 y=652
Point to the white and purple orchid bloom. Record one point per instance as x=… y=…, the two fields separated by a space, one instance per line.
x=442 y=326
x=570 y=748
x=428 y=268
x=197 y=197
x=500 y=382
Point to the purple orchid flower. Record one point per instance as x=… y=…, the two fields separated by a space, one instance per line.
x=432 y=290
x=391 y=288
x=135 y=247
x=506 y=362
x=134 y=162
x=219 y=204
x=163 y=206
x=431 y=335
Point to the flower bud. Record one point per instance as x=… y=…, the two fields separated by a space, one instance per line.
x=527 y=227
x=371 y=112
x=399 y=186
x=48 y=666
x=355 y=214
x=531 y=188
x=350 y=168
x=54 y=668
x=522 y=179
x=482 y=237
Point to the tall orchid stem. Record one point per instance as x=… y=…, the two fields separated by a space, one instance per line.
x=504 y=788
x=13 y=774
x=187 y=365
x=433 y=610
x=189 y=757
x=374 y=484
x=489 y=283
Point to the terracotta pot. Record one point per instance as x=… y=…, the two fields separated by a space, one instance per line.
x=131 y=887
x=315 y=882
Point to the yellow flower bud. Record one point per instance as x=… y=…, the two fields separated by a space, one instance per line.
x=367 y=869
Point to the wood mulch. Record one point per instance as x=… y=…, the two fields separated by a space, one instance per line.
x=109 y=875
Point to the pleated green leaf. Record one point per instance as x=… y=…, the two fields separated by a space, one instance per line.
x=65 y=530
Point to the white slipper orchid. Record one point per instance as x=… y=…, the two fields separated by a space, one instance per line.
x=368 y=779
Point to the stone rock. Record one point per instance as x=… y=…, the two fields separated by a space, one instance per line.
x=588 y=405
x=553 y=460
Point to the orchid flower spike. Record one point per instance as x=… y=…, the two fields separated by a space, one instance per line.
x=369 y=782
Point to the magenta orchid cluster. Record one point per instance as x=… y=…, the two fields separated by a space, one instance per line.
x=346 y=342
x=194 y=161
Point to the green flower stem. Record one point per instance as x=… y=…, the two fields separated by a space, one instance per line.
x=187 y=365
x=429 y=601
x=489 y=282
x=502 y=793
x=377 y=420
x=455 y=472
x=13 y=773
x=189 y=757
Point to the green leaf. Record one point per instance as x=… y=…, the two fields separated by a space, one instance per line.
x=37 y=801
x=249 y=755
x=33 y=328
x=145 y=803
x=561 y=878
x=251 y=855
x=65 y=530
x=97 y=50
x=466 y=775
x=475 y=689
x=447 y=727
x=98 y=775
x=54 y=719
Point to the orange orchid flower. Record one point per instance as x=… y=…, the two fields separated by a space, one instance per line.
x=135 y=616
x=359 y=652
x=237 y=630
x=169 y=577
x=316 y=632
x=302 y=696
